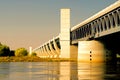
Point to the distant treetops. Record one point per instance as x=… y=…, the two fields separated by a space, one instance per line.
x=5 y=51
x=21 y=52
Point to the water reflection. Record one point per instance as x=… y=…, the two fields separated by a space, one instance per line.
x=68 y=71
x=112 y=71
x=4 y=71
x=91 y=71
x=59 y=71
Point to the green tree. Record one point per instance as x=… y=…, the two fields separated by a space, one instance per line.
x=12 y=53
x=33 y=54
x=21 y=52
x=4 y=50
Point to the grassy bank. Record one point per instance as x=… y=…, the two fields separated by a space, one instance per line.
x=31 y=59
x=35 y=59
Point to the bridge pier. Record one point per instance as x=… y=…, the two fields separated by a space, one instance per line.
x=56 y=49
x=38 y=53
x=53 y=50
x=42 y=53
x=45 y=52
x=91 y=51
x=95 y=51
x=48 y=50
x=74 y=51
x=65 y=33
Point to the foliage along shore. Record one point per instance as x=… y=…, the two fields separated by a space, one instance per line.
x=31 y=59
x=36 y=59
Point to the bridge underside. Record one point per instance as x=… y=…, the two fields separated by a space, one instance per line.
x=111 y=42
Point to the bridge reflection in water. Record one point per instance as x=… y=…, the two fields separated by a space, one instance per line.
x=89 y=71
x=59 y=71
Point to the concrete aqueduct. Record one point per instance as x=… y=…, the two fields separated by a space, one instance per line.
x=96 y=39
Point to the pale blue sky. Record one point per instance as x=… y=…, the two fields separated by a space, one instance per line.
x=25 y=23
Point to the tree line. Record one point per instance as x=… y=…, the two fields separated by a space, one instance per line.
x=5 y=51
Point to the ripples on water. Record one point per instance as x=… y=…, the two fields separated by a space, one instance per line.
x=59 y=71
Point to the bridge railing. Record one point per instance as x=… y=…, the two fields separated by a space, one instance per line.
x=102 y=21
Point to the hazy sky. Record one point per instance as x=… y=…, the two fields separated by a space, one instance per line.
x=25 y=23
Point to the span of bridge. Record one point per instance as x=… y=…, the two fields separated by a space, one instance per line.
x=96 y=39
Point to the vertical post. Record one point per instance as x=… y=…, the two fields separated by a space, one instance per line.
x=30 y=50
x=65 y=33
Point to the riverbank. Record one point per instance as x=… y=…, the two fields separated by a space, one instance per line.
x=31 y=59
x=36 y=59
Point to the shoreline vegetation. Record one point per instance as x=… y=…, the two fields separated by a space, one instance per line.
x=36 y=59
x=32 y=59
x=22 y=55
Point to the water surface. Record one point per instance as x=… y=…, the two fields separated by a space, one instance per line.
x=59 y=71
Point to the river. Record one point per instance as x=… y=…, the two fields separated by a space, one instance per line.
x=59 y=71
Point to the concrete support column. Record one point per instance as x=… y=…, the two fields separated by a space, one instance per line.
x=49 y=52
x=65 y=33
x=41 y=53
x=65 y=49
x=91 y=51
x=38 y=52
x=56 y=48
x=74 y=51
x=45 y=52
x=53 y=51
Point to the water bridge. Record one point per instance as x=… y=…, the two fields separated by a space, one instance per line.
x=95 y=39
